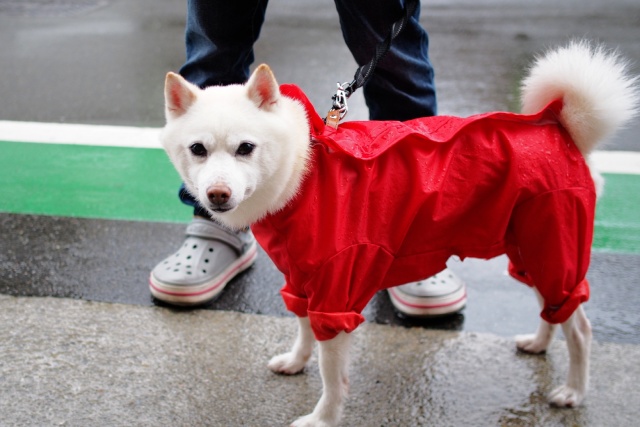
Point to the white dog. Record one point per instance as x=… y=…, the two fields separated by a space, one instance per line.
x=344 y=213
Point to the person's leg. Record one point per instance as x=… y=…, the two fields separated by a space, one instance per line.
x=186 y=198
x=402 y=86
x=219 y=40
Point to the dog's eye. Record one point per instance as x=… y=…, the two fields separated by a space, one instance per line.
x=245 y=148
x=198 y=149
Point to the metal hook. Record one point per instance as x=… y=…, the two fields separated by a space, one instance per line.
x=340 y=99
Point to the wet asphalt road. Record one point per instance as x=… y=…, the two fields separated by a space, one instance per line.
x=104 y=61
x=110 y=260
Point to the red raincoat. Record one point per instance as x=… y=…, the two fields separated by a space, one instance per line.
x=385 y=203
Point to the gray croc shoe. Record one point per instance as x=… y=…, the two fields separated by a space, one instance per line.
x=208 y=259
x=442 y=294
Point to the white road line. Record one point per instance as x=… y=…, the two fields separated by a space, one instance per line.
x=627 y=162
x=76 y=134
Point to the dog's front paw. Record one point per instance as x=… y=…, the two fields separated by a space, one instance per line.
x=311 y=420
x=566 y=397
x=287 y=363
x=532 y=343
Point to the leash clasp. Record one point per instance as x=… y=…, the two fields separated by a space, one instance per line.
x=340 y=108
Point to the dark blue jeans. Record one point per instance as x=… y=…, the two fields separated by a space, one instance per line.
x=220 y=35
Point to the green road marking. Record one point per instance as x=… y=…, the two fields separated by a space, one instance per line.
x=141 y=184
x=89 y=182
x=617 y=216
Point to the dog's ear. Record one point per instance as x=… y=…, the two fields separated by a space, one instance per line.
x=262 y=88
x=179 y=95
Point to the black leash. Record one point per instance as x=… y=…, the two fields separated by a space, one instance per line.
x=363 y=73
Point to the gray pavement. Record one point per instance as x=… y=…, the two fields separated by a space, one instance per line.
x=102 y=353
x=78 y=363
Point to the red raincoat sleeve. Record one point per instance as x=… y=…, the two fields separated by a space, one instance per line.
x=335 y=294
x=551 y=248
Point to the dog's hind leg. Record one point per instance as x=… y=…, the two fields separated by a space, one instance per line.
x=334 y=360
x=577 y=332
x=539 y=342
x=294 y=361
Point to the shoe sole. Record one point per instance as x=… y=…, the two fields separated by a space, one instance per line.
x=205 y=292
x=441 y=306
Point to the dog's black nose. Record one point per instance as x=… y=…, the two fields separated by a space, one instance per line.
x=219 y=194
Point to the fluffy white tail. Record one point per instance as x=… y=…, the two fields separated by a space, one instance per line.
x=598 y=94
